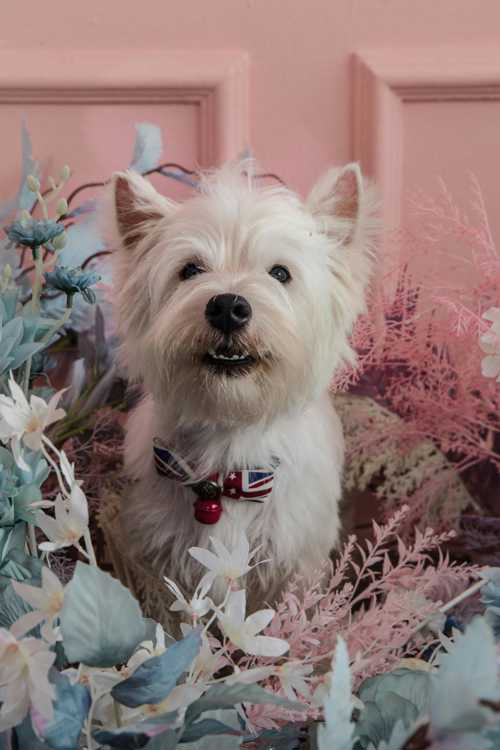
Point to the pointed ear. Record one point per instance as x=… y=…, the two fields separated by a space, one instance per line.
x=336 y=202
x=135 y=208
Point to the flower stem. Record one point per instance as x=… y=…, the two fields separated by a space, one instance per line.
x=32 y=540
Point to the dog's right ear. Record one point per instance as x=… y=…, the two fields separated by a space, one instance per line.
x=136 y=210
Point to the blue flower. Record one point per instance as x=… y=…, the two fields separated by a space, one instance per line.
x=73 y=281
x=34 y=232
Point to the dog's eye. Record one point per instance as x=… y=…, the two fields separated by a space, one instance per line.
x=281 y=274
x=190 y=270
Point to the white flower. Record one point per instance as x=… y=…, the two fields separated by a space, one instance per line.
x=207 y=661
x=226 y=564
x=243 y=632
x=24 y=682
x=490 y=345
x=46 y=601
x=177 y=700
x=198 y=606
x=292 y=676
x=293 y=679
x=70 y=522
x=25 y=421
x=250 y=676
x=145 y=651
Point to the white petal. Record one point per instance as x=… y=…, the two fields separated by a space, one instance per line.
x=50 y=582
x=26 y=622
x=259 y=620
x=490 y=366
x=15 y=707
x=206 y=558
x=492 y=314
x=236 y=606
x=17 y=393
x=31 y=594
x=250 y=676
x=263 y=645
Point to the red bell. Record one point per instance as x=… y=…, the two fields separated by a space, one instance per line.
x=207 y=511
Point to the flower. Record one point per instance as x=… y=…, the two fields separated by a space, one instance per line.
x=70 y=522
x=73 y=281
x=224 y=564
x=24 y=681
x=490 y=345
x=46 y=601
x=207 y=662
x=243 y=632
x=34 y=232
x=197 y=607
x=177 y=700
x=146 y=650
x=293 y=679
x=26 y=421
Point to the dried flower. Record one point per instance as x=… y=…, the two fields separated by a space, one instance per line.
x=34 y=233
x=73 y=281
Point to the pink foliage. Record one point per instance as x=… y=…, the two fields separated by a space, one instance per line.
x=418 y=345
x=376 y=596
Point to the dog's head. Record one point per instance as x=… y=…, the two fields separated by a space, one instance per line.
x=237 y=304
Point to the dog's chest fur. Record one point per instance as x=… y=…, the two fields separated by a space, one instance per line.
x=298 y=524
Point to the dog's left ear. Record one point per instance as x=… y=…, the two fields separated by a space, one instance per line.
x=337 y=202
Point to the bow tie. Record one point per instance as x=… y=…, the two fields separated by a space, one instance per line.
x=254 y=484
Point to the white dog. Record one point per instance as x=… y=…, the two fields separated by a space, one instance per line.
x=235 y=309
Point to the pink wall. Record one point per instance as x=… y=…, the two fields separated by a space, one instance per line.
x=299 y=117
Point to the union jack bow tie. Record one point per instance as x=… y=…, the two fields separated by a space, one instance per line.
x=254 y=484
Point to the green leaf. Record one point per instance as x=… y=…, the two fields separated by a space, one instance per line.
x=155 y=678
x=101 y=622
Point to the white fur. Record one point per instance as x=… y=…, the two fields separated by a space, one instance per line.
x=238 y=230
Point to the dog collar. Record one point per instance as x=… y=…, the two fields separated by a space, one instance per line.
x=253 y=484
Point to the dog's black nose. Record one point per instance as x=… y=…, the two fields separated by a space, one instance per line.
x=228 y=312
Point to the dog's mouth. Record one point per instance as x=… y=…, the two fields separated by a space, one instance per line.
x=229 y=360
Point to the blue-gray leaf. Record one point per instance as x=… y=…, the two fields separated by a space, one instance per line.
x=147 y=148
x=138 y=735
x=71 y=708
x=101 y=622
x=153 y=680
x=226 y=696
x=208 y=727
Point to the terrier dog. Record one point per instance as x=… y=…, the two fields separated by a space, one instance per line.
x=235 y=309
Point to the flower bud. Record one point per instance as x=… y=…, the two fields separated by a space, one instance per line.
x=65 y=173
x=33 y=183
x=62 y=207
x=59 y=242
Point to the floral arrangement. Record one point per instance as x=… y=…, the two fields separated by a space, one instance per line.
x=389 y=648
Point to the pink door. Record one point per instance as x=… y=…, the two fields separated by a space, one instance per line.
x=410 y=88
